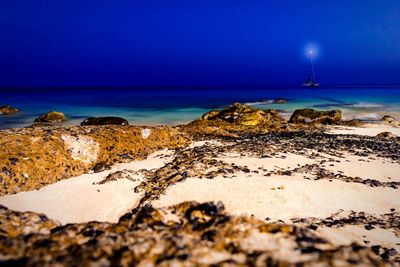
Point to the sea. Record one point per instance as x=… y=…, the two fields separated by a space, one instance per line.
x=174 y=106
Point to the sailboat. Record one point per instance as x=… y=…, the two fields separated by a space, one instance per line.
x=311 y=80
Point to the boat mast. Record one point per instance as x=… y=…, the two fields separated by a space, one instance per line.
x=312 y=66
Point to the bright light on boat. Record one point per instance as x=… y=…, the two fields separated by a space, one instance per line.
x=311 y=50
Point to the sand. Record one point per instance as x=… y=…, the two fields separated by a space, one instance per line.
x=376 y=168
x=254 y=194
x=275 y=197
x=80 y=199
x=348 y=234
x=368 y=129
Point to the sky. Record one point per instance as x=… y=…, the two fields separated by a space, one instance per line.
x=197 y=43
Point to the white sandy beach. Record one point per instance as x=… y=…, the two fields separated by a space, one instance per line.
x=80 y=199
x=367 y=129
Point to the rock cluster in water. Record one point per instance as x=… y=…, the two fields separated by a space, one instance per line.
x=7 y=110
x=52 y=117
x=237 y=118
x=314 y=116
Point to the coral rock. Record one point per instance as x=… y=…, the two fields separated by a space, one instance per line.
x=52 y=116
x=314 y=116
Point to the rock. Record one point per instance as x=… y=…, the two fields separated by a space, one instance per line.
x=100 y=167
x=279 y=101
x=386 y=135
x=390 y=120
x=187 y=234
x=52 y=116
x=314 y=116
x=237 y=118
x=49 y=156
x=211 y=115
x=7 y=110
x=244 y=115
x=104 y=121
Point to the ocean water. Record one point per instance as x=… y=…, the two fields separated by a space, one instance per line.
x=173 y=106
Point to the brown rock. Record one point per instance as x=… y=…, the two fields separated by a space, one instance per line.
x=236 y=118
x=386 y=135
x=314 y=116
x=198 y=234
x=49 y=154
x=390 y=120
x=52 y=116
x=7 y=110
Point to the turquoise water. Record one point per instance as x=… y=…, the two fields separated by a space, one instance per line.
x=152 y=106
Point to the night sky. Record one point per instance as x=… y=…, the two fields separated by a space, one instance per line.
x=197 y=43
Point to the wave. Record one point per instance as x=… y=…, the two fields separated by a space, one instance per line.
x=366 y=105
x=262 y=102
x=359 y=105
x=368 y=117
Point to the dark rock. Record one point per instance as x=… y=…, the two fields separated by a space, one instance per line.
x=52 y=116
x=390 y=120
x=104 y=121
x=279 y=101
x=386 y=135
x=7 y=110
x=100 y=167
x=314 y=116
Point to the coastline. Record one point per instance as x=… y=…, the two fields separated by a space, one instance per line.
x=335 y=184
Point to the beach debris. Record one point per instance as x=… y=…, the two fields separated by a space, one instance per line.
x=278 y=188
x=123 y=174
x=104 y=121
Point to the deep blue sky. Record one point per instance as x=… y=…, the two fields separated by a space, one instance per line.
x=197 y=42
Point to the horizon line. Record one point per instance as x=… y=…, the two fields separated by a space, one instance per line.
x=237 y=86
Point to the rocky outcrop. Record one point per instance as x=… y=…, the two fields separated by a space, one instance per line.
x=314 y=116
x=105 y=121
x=237 y=118
x=31 y=158
x=187 y=234
x=391 y=121
x=51 y=117
x=8 y=110
x=386 y=135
